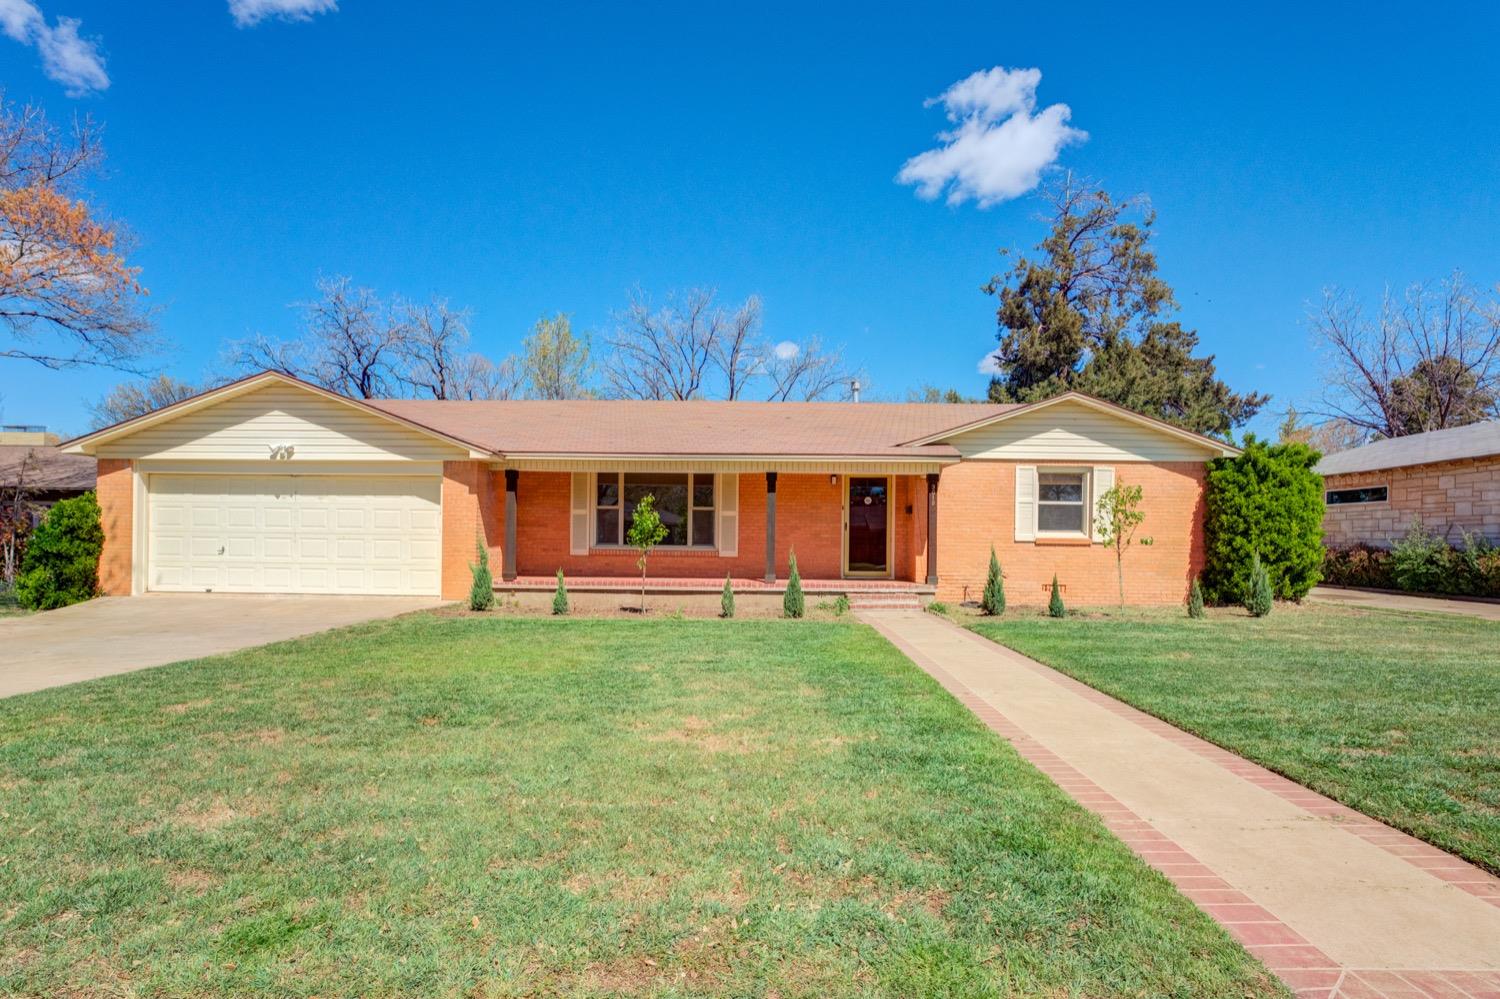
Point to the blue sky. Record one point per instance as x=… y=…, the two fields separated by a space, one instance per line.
x=527 y=161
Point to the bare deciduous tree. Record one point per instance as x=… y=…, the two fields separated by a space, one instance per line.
x=694 y=349
x=665 y=353
x=432 y=349
x=477 y=377
x=357 y=344
x=351 y=343
x=738 y=350
x=131 y=399
x=67 y=295
x=806 y=372
x=1429 y=360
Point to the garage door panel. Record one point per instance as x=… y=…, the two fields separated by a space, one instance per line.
x=294 y=534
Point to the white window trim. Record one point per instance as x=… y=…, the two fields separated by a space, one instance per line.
x=1087 y=473
x=594 y=508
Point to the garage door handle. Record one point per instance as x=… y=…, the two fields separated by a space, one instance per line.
x=221 y=549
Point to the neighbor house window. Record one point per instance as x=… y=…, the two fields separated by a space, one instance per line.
x=684 y=501
x=1364 y=494
x=1061 y=507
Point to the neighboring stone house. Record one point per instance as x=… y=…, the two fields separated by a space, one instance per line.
x=1448 y=478
x=29 y=457
x=270 y=484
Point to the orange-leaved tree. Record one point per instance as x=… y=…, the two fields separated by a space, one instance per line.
x=67 y=295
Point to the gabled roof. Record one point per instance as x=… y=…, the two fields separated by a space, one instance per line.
x=595 y=428
x=251 y=383
x=624 y=428
x=1477 y=440
x=1129 y=415
x=47 y=469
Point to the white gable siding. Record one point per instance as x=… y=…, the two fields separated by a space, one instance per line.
x=245 y=427
x=1074 y=432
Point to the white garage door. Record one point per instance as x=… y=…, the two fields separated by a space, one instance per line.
x=294 y=534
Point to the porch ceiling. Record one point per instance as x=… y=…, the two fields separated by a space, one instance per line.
x=791 y=465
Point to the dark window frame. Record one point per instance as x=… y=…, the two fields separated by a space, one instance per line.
x=1356 y=495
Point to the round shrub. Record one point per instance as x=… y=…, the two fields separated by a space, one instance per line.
x=61 y=566
x=1267 y=501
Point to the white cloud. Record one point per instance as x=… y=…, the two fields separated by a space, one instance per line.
x=989 y=364
x=67 y=57
x=247 y=13
x=786 y=350
x=1000 y=143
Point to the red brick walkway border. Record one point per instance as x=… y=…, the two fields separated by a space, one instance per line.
x=1303 y=967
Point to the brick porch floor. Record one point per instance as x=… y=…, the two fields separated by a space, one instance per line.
x=1368 y=930
x=686 y=584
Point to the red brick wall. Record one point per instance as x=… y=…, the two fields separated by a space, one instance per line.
x=809 y=520
x=470 y=512
x=976 y=508
x=115 y=489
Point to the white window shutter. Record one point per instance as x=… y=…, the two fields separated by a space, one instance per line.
x=1104 y=480
x=1025 y=502
x=727 y=489
x=578 y=529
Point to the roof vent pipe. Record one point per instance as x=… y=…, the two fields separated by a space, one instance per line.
x=854 y=390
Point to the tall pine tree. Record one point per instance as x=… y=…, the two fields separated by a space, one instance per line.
x=1089 y=313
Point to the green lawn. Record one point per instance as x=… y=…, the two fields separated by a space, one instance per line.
x=487 y=807
x=1396 y=715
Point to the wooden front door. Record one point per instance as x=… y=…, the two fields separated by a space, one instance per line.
x=867 y=526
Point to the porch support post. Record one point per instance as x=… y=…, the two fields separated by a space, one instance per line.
x=932 y=486
x=770 y=527
x=508 y=557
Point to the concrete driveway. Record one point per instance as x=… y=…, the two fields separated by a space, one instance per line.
x=119 y=634
x=1405 y=602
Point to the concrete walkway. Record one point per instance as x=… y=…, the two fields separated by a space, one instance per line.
x=1405 y=602
x=1331 y=901
x=119 y=634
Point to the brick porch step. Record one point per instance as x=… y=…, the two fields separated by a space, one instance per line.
x=884 y=601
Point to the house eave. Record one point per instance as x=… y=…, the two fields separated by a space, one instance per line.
x=89 y=443
x=1200 y=440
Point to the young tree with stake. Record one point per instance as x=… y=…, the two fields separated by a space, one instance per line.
x=646 y=532
x=1116 y=519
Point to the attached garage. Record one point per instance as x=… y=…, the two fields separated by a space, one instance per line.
x=294 y=534
x=272 y=485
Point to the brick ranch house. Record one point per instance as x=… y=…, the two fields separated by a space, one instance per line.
x=272 y=485
x=1448 y=478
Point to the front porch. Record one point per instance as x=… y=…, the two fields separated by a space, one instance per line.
x=688 y=584
x=854 y=529
x=752 y=591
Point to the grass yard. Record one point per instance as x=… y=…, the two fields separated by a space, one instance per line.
x=487 y=807
x=1396 y=715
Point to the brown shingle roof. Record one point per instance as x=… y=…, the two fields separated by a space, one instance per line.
x=54 y=471
x=698 y=428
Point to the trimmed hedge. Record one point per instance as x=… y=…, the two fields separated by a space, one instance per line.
x=61 y=565
x=1267 y=501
